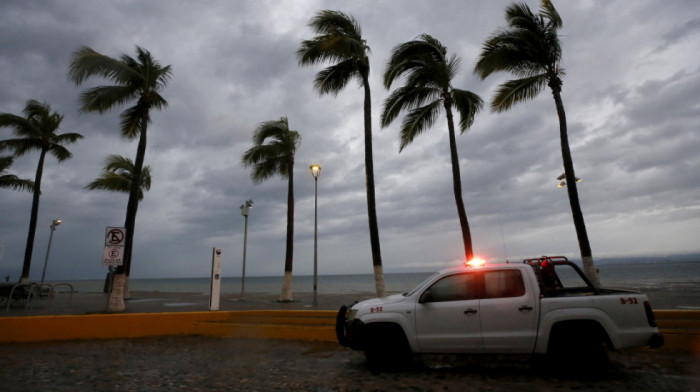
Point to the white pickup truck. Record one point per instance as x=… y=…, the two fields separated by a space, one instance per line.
x=540 y=306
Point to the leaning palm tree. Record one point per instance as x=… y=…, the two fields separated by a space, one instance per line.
x=116 y=177
x=118 y=174
x=11 y=181
x=339 y=41
x=529 y=48
x=274 y=147
x=139 y=80
x=428 y=89
x=36 y=131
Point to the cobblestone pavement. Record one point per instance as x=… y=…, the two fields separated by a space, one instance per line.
x=223 y=364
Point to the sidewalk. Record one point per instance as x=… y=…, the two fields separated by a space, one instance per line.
x=160 y=302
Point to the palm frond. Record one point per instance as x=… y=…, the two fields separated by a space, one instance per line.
x=37 y=131
x=406 y=98
x=104 y=98
x=11 y=181
x=510 y=52
x=274 y=147
x=412 y=57
x=336 y=23
x=339 y=38
x=520 y=16
x=334 y=78
x=468 y=104
x=417 y=121
x=518 y=90
x=117 y=176
x=132 y=121
x=550 y=13
x=5 y=163
x=60 y=153
x=20 y=147
x=67 y=138
x=86 y=63
x=20 y=126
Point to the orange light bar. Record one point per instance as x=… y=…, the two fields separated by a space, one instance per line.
x=476 y=262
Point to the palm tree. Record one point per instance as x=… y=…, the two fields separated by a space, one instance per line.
x=339 y=40
x=11 y=181
x=36 y=131
x=529 y=48
x=274 y=147
x=428 y=89
x=139 y=79
x=116 y=177
x=118 y=174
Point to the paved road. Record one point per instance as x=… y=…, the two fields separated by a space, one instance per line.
x=219 y=364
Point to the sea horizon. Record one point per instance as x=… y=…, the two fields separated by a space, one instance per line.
x=637 y=275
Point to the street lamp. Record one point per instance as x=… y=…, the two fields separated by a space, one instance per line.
x=562 y=182
x=315 y=171
x=245 y=209
x=54 y=224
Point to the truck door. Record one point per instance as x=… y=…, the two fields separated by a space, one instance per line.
x=447 y=315
x=508 y=312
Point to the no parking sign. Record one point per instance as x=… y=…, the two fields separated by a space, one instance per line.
x=113 y=253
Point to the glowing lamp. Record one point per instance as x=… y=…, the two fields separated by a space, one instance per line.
x=476 y=262
x=315 y=170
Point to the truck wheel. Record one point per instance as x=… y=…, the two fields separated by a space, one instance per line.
x=387 y=349
x=341 y=327
x=580 y=352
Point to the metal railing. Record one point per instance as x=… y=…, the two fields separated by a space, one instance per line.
x=24 y=293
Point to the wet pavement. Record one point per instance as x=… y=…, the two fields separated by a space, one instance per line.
x=194 y=363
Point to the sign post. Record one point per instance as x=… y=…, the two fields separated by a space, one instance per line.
x=113 y=253
x=215 y=289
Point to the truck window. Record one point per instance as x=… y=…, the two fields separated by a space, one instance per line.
x=460 y=287
x=503 y=284
x=569 y=277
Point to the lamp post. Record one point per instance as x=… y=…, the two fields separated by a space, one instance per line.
x=245 y=209
x=54 y=224
x=315 y=171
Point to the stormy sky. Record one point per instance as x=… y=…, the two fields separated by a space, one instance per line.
x=630 y=93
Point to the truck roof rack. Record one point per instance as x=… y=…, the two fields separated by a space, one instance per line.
x=548 y=259
x=545 y=261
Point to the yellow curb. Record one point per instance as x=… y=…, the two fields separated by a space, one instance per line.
x=681 y=328
x=303 y=325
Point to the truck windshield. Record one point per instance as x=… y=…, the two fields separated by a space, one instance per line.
x=420 y=285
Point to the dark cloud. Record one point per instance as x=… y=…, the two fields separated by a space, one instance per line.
x=630 y=95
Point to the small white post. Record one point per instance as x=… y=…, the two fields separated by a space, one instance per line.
x=215 y=291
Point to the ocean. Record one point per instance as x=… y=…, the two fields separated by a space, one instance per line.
x=681 y=276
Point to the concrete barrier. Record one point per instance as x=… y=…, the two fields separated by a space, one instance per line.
x=265 y=324
x=681 y=329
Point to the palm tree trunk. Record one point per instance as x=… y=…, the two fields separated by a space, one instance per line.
x=457 y=184
x=579 y=224
x=33 y=219
x=286 y=295
x=121 y=278
x=115 y=302
x=371 y=201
